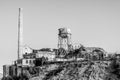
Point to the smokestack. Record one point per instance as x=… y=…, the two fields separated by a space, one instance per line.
x=20 y=34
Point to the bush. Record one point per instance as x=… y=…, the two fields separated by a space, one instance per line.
x=114 y=67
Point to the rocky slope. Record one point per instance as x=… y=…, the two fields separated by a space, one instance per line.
x=90 y=71
x=79 y=71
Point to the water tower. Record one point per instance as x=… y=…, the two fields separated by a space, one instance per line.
x=64 y=38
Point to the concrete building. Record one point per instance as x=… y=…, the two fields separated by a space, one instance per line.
x=29 y=56
x=27 y=49
x=49 y=55
x=25 y=62
x=13 y=70
x=76 y=46
x=6 y=70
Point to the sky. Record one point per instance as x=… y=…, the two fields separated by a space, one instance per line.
x=93 y=23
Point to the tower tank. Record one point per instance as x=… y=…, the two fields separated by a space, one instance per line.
x=64 y=32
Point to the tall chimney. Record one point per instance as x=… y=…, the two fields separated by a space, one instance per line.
x=20 y=34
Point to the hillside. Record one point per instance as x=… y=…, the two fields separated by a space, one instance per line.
x=76 y=71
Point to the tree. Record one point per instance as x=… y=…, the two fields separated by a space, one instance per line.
x=114 y=67
x=61 y=52
x=7 y=78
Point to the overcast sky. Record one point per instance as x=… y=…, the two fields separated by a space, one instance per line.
x=94 y=23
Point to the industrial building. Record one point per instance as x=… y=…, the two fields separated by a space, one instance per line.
x=27 y=56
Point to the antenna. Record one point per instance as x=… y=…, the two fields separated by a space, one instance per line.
x=20 y=33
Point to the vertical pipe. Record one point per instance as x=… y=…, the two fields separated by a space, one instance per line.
x=20 y=33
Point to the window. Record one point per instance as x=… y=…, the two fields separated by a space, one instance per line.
x=26 y=61
x=30 y=61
